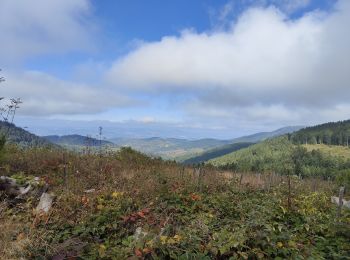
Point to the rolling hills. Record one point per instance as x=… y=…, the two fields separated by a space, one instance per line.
x=191 y=151
x=169 y=148
x=184 y=149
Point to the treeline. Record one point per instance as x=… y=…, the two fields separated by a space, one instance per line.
x=334 y=133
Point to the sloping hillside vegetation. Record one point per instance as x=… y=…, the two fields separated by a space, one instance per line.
x=333 y=133
x=282 y=156
x=270 y=155
x=216 y=152
x=22 y=137
x=126 y=205
x=330 y=150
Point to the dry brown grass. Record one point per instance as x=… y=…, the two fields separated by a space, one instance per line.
x=14 y=237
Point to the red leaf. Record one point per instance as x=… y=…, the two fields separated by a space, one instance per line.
x=138 y=252
x=146 y=210
x=141 y=214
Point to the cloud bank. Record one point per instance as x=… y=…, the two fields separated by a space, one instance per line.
x=265 y=61
x=30 y=29
x=39 y=27
x=45 y=95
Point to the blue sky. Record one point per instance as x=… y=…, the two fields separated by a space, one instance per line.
x=223 y=68
x=122 y=23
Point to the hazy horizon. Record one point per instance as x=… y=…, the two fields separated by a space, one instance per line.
x=128 y=129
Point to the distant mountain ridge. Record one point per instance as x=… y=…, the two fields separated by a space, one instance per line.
x=184 y=149
x=258 y=137
x=22 y=137
x=169 y=148
x=170 y=142
x=76 y=140
x=191 y=151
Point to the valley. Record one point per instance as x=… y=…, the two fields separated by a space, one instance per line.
x=243 y=200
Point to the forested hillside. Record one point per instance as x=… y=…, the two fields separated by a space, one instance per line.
x=22 y=137
x=216 y=152
x=282 y=156
x=333 y=133
x=259 y=157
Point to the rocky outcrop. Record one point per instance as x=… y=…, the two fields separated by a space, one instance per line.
x=14 y=189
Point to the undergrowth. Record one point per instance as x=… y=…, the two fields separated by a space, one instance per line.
x=126 y=205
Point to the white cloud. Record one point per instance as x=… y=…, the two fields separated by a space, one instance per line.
x=260 y=50
x=224 y=16
x=37 y=27
x=265 y=61
x=45 y=95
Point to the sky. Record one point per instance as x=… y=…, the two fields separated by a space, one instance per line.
x=199 y=68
